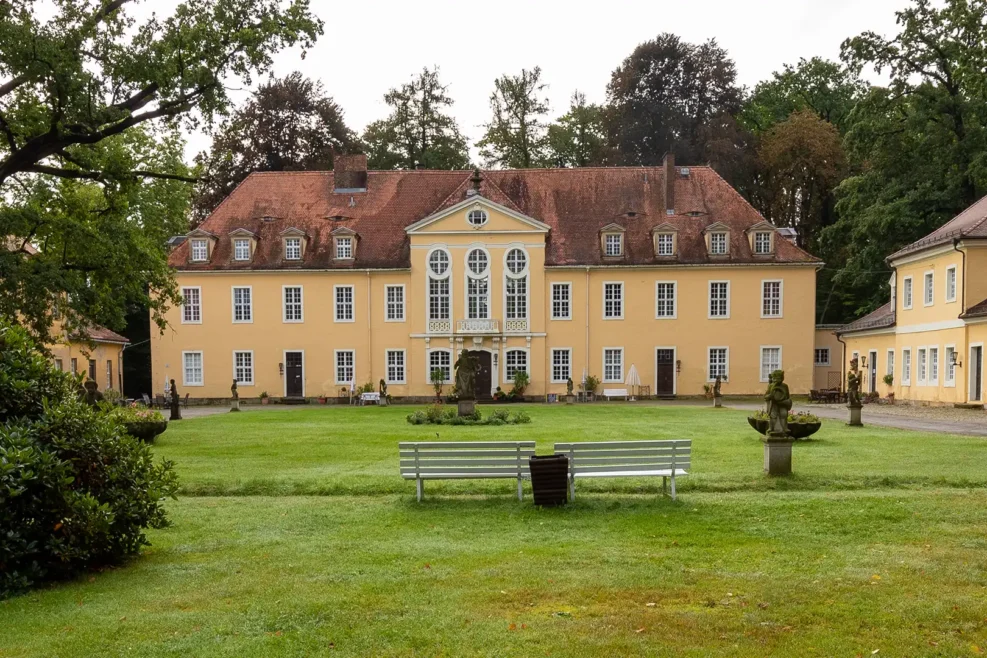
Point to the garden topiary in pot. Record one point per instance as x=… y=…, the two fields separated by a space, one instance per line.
x=801 y=425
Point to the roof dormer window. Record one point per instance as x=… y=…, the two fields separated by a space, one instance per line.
x=718 y=243
x=292 y=248
x=199 y=249
x=241 y=249
x=344 y=247
x=293 y=243
x=614 y=244
x=344 y=243
x=477 y=217
x=762 y=243
x=666 y=240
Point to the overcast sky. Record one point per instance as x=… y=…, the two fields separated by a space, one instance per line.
x=370 y=46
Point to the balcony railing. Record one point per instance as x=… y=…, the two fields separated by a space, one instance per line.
x=478 y=327
x=518 y=326
x=475 y=326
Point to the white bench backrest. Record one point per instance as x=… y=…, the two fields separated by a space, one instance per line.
x=622 y=456
x=461 y=459
x=615 y=391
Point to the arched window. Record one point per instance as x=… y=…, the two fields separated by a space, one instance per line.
x=438 y=285
x=477 y=285
x=477 y=218
x=515 y=361
x=516 y=285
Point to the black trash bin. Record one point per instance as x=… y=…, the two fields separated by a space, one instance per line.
x=549 y=479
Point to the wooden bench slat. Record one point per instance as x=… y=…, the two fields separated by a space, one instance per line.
x=425 y=445
x=609 y=445
x=660 y=473
x=449 y=463
x=429 y=454
x=594 y=468
x=466 y=473
x=649 y=452
x=604 y=461
x=464 y=476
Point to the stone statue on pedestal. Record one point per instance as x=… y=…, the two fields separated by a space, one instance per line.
x=92 y=396
x=176 y=412
x=382 y=389
x=466 y=367
x=853 y=394
x=779 y=403
x=717 y=397
x=235 y=404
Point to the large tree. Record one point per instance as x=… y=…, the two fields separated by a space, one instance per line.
x=89 y=174
x=418 y=133
x=578 y=137
x=663 y=96
x=516 y=136
x=289 y=124
x=921 y=143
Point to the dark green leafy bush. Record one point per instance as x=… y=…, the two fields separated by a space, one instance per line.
x=438 y=414
x=76 y=492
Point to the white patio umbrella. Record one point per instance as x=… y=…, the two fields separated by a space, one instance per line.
x=633 y=379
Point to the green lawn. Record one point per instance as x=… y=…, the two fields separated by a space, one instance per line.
x=877 y=544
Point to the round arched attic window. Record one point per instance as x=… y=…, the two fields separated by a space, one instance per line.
x=516 y=261
x=438 y=262
x=477 y=261
x=477 y=217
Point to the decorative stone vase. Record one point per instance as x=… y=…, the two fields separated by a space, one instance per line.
x=549 y=479
x=265 y=400
x=467 y=407
x=760 y=426
x=855 y=415
x=778 y=455
x=146 y=430
x=803 y=430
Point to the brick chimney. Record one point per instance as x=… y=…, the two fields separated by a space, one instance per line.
x=350 y=173
x=669 y=164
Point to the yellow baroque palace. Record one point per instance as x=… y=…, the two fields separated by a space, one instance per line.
x=930 y=336
x=301 y=284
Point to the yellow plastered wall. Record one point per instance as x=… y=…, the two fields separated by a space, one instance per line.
x=976 y=267
x=942 y=309
x=827 y=375
x=108 y=358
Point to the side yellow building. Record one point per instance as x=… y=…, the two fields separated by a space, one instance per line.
x=931 y=334
x=98 y=356
x=307 y=284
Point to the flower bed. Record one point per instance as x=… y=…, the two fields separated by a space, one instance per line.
x=437 y=414
x=143 y=424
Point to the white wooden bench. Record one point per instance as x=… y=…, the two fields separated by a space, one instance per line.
x=667 y=459
x=373 y=398
x=471 y=460
x=615 y=393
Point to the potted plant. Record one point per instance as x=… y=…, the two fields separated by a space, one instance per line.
x=889 y=381
x=801 y=425
x=592 y=383
x=265 y=398
x=708 y=391
x=438 y=378
x=323 y=399
x=143 y=424
x=521 y=381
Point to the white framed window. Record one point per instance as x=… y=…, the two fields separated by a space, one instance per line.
x=243 y=367
x=889 y=363
x=771 y=299
x=906 y=366
x=516 y=300
x=59 y=366
x=394 y=303
x=929 y=292
x=718 y=363
x=191 y=368
x=345 y=366
x=821 y=357
x=192 y=305
x=199 y=250
x=292 y=248
x=762 y=242
x=948 y=365
x=476 y=217
x=561 y=365
x=344 y=303
x=438 y=263
x=109 y=373
x=395 y=367
x=562 y=301
x=440 y=360
x=438 y=299
x=514 y=360
x=906 y=293
x=718 y=243
x=719 y=299
x=665 y=303
x=344 y=247
x=951 y=284
x=243 y=309
x=613 y=244
x=922 y=366
x=666 y=244
x=613 y=364
x=770 y=361
x=241 y=249
x=477 y=285
x=933 y=365
x=292 y=296
x=613 y=300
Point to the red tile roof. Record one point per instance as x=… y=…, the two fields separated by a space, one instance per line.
x=976 y=311
x=100 y=335
x=881 y=318
x=574 y=203
x=971 y=223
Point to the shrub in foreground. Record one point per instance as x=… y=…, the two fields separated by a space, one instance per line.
x=437 y=414
x=76 y=492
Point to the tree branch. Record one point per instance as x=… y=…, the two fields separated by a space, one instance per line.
x=13 y=84
x=80 y=174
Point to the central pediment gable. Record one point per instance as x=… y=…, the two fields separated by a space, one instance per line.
x=477 y=214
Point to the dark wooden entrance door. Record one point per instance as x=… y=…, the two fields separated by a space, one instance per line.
x=977 y=374
x=294 y=386
x=483 y=375
x=665 y=368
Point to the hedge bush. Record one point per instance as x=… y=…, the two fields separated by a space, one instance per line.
x=76 y=492
x=437 y=414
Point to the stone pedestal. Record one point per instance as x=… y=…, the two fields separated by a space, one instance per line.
x=855 y=415
x=235 y=405
x=176 y=414
x=778 y=455
x=570 y=399
x=717 y=402
x=467 y=407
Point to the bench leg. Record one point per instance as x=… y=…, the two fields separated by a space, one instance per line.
x=520 y=491
x=664 y=485
x=419 y=488
x=572 y=488
x=673 y=487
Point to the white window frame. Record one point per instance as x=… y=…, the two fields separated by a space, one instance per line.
x=568 y=352
x=284 y=304
x=929 y=288
x=757 y=236
x=336 y=305
x=520 y=278
x=907 y=293
x=712 y=243
x=568 y=287
x=197 y=306
x=244 y=382
x=620 y=284
x=202 y=369
x=607 y=380
x=335 y=366
x=665 y=239
x=951 y=273
x=195 y=244
x=949 y=372
x=480 y=213
x=675 y=300
x=934 y=372
x=288 y=242
x=619 y=242
x=527 y=362
x=906 y=366
x=387 y=303
x=829 y=357
x=428 y=361
x=760 y=364
x=237 y=243
x=344 y=247
x=485 y=274
x=889 y=362
x=709 y=301
x=250 y=306
x=404 y=366
x=923 y=366
x=726 y=362
x=781 y=299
